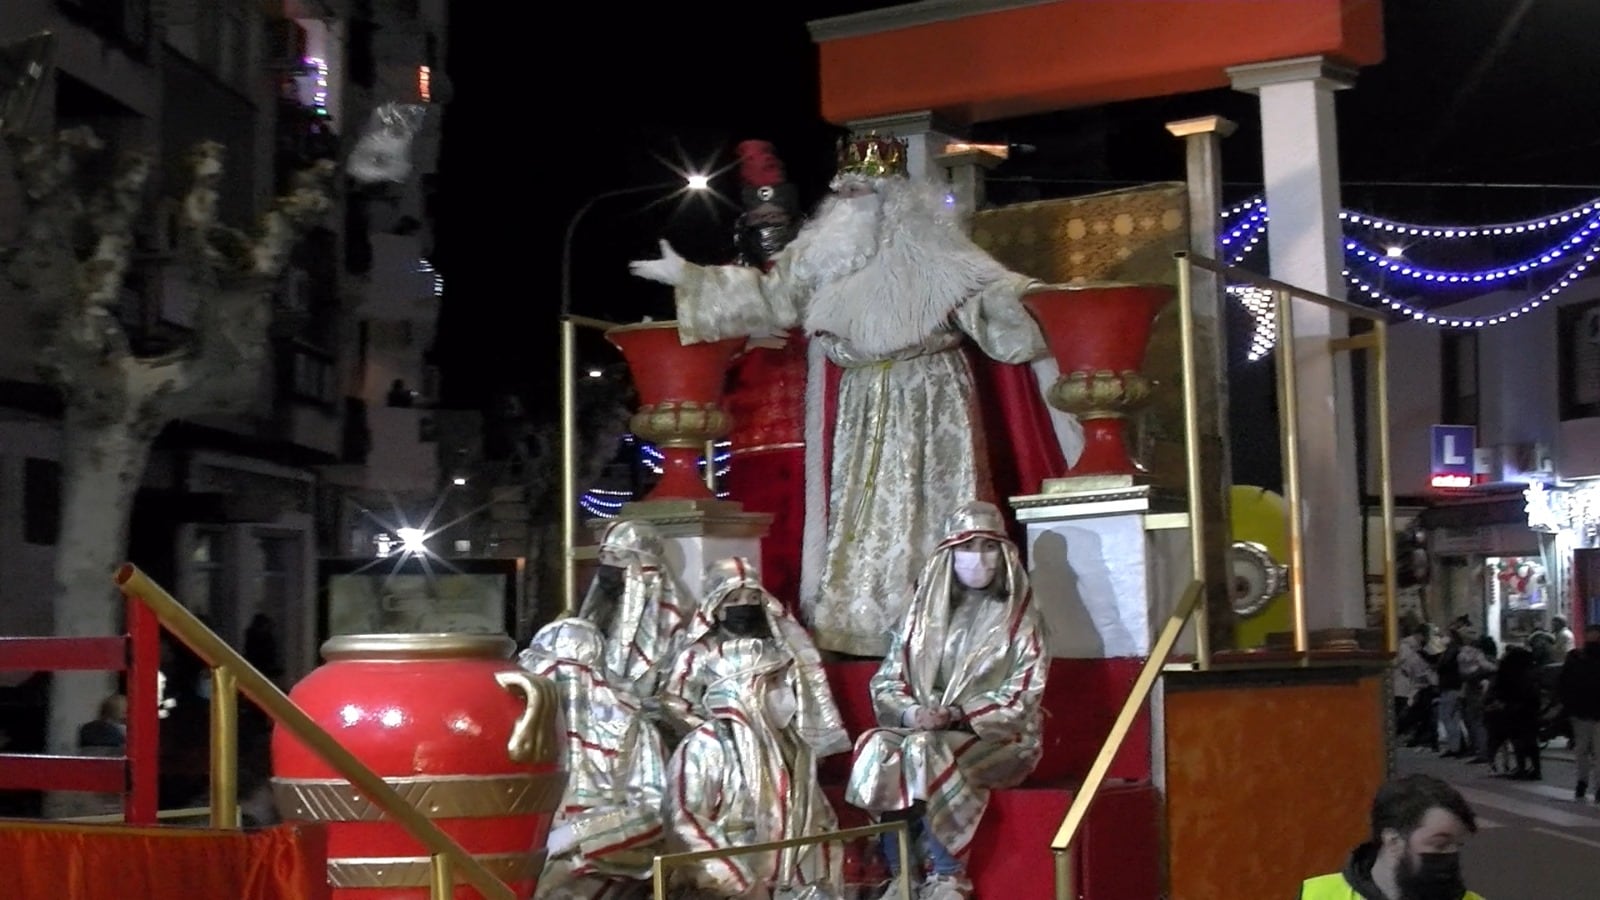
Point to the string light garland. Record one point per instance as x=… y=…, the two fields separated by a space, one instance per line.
x=607 y=504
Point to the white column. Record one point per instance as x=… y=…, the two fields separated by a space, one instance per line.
x=1300 y=161
x=925 y=134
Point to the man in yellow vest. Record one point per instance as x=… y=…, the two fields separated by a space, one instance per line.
x=1419 y=825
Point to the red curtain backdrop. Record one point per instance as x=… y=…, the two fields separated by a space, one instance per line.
x=61 y=862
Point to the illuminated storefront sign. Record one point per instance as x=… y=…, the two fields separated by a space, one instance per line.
x=1453 y=460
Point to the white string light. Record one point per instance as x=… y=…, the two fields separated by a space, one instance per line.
x=1457 y=232
x=1384 y=260
x=1260 y=302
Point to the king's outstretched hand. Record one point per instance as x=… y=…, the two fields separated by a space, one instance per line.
x=669 y=269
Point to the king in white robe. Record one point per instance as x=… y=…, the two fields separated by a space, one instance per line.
x=888 y=286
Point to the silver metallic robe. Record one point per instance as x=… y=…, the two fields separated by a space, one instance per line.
x=985 y=657
x=746 y=771
x=906 y=437
x=817 y=721
x=616 y=773
x=647 y=629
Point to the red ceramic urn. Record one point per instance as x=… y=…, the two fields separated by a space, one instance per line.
x=454 y=726
x=1098 y=334
x=680 y=395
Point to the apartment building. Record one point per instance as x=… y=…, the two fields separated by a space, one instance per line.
x=235 y=511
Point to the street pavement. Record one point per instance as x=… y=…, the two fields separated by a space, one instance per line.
x=1534 y=841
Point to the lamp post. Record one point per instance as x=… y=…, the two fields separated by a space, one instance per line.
x=569 y=393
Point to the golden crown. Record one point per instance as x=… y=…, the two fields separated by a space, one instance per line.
x=872 y=156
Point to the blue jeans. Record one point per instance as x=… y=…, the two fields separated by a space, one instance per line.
x=943 y=862
x=1450 y=720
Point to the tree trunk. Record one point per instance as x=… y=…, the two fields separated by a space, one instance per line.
x=103 y=460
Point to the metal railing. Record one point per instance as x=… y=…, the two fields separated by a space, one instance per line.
x=231 y=675
x=1374 y=342
x=902 y=829
x=1078 y=810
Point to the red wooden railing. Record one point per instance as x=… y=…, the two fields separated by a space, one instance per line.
x=134 y=775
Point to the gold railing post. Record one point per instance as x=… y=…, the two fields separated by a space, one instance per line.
x=658 y=878
x=1380 y=359
x=1193 y=437
x=1289 y=429
x=1063 y=862
x=442 y=880
x=224 y=748
x=902 y=838
x=569 y=465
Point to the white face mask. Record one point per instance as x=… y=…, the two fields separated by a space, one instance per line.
x=975 y=568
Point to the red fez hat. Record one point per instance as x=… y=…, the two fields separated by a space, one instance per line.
x=759 y=166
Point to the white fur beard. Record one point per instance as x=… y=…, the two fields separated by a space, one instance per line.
x=838 y=240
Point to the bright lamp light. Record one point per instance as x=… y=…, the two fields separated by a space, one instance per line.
x=411 y=539
x=699 y=182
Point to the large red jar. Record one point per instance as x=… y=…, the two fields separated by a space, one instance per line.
x=455 y=727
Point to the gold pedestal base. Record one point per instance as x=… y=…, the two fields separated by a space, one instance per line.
x=1078 y=484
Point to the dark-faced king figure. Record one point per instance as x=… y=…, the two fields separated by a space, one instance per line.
x=608 y=826
x=957 y=700
x=887 y=285
x=636 y=602
x=750 y=693
x=766 y=388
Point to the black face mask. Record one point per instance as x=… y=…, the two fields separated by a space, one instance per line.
x=1431 y=876
x=745 y=621
x=760 y=243
x=609 y=580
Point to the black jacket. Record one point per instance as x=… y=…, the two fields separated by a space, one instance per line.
x=1580 y=685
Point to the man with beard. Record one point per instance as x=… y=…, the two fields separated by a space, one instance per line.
x=766 y=393
x=1419 y=825
x=957 y=701
x=887 y=285
x=637 y=604
x=750 y=691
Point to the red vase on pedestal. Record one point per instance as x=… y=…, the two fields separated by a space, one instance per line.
x=454 y=726
x=1098 y=334
x=680 y=395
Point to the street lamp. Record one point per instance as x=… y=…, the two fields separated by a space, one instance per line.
x=569 y=398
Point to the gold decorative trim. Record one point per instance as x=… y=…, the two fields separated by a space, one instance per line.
x=652 y=325
x=439 y=797
x=767 y=448
x=402 y=647
x=416 y=871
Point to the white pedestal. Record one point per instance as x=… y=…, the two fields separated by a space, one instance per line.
x=697 y=533
x=1107 y=566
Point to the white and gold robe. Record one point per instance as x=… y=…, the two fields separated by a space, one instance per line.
x=906 y=438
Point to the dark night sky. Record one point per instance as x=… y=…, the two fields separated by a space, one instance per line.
x=531 y=135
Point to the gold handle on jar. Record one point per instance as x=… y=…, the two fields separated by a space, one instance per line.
x=531 y=739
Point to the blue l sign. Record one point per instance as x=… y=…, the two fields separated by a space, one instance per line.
x=1452 y=449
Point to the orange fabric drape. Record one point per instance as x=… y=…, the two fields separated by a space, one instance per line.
x=60 y=862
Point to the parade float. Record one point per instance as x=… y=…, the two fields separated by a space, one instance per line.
x=1204 y=636
x=1174 y=746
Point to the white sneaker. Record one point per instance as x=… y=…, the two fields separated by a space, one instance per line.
x=946 y=887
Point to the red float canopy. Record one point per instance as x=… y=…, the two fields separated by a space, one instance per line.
x=978 y=60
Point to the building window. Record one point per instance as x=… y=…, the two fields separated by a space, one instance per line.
x=1578 y=359
x=1458 y=362
x=207 y=593
x=41 y=501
